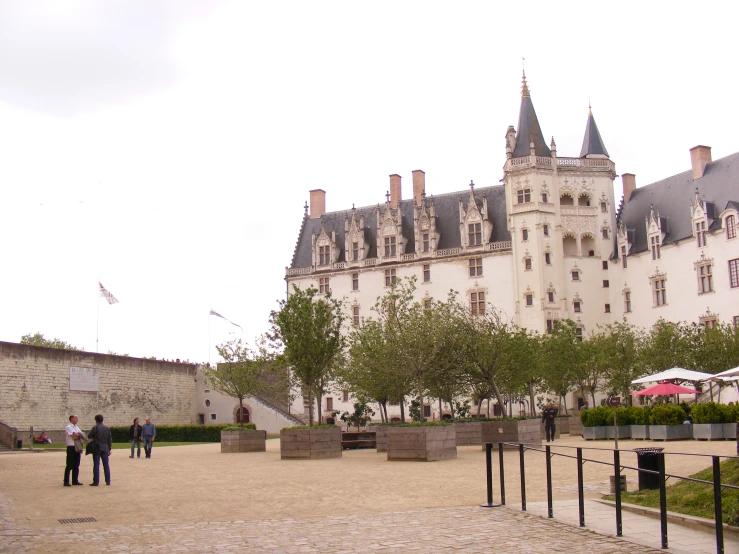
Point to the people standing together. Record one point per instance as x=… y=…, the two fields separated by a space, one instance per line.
x=99 y=443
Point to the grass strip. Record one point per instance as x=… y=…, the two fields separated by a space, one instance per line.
x=695 y=499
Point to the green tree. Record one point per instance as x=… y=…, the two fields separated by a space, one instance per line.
x=667 y=345
x=37 y=339
x=563 y=355
x=371 y=369
x=308 y=328
x=246 y=371
x=618 y=351
x=360 y=417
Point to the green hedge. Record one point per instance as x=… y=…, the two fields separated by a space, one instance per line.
x=711 y=412
x=641 y=415
x=176 y=433
x=668 y=414
x=308 y=427
x=240 y=427
x=600 y=416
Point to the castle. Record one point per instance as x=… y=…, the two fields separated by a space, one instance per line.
x=550 y=243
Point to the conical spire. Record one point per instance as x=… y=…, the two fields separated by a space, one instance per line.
x=592 y=143
x=528 y=127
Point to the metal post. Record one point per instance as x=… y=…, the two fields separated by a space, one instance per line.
x=662 y=499
x=580 y=491
x=617 y=473
x=489 y=468
x=718 y=515
x=549 y=481
x=523 y=477
x=502 y=474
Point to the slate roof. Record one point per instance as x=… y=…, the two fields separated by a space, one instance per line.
x=529 y=128
x=447 y=223
x=671 y=197
x=592 y=143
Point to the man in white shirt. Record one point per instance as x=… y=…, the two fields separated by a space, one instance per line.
x=72 y=433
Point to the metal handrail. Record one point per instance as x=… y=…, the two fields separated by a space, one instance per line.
x=663 y=476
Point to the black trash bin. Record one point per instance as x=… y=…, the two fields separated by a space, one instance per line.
x=19 y=444
x=648 y=458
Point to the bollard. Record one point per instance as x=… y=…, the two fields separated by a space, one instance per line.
x=502 y=474
x=523 y=478
x=717 y=505
x=489 y=470
x=580 y=488
x=550 y=507
x=617 y=473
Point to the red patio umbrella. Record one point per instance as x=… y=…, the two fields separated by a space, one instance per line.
x=664 y=389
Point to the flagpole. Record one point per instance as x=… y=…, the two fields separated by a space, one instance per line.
x=208 y=340
x=97 y=328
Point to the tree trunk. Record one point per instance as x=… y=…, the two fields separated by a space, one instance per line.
x=479 y=406
x=402 y=409
x=531 y=399
x=499 y=397
x=592 y=393
x=564 y=403
x=241 y=409
x=319 y=399
x=420 y=400
x=310 y=407
x=441 y=409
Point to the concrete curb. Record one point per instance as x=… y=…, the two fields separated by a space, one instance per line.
x=693 y=522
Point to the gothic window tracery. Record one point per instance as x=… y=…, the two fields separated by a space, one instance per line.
x=354 y=245
x=474 y=225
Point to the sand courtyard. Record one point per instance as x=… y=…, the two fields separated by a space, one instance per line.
x=193 y=498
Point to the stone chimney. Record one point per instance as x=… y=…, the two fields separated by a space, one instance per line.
x=395 y=193
x=629 y=182
x=700 y=157
x=317 y=203
x=419 y=186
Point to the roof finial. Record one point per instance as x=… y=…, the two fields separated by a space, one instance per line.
x=590 y=108
x=387 y=196
x=472 y=184
x=524 y=87
x=306 y=206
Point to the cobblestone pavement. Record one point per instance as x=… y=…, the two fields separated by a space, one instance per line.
x=471 y=529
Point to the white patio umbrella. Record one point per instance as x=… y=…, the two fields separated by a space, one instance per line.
x=676 y=373
x=725 y=375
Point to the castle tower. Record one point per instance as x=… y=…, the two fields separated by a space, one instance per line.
x=561 y=216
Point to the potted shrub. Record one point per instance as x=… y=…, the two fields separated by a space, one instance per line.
x=513 y=430
x=730 y=425
x=709 y=419
x=422 y=442
x=594 y=422
x=310 y=443
x=624 y=419
x=243 y=437
x=666 y=423
x=640 y=422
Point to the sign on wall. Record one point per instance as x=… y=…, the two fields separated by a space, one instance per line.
x=84 y=379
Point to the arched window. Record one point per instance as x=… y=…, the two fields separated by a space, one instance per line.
x=242 y=415
x=730 y=227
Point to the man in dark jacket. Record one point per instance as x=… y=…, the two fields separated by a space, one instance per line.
x=135 y=437
x=547 y=417
x=103 y=440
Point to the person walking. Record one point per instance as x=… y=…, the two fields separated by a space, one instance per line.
x=135 y=437
x=149 y=433
x=547 y=417
x=103 y=439
x=72 y=438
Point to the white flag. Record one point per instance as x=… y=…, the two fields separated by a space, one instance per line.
x=105 y=293
x=215 y=313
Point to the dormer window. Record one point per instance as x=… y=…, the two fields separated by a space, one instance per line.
x=390 y=246
x=355 y=251
x=730 y=227
x=623 y=257
x=426 y=243
x=324 y=255
x=475 y=234
x=700 y=233
x=654 y=245
x=524 y=196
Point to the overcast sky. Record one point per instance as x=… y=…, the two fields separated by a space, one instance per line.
x=167 y=148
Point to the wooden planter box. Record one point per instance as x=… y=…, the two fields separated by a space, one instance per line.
x=380 y=437
x=640 y=432
x=575 y=427
x=243 y=441
x=708 y=431
x=310 y=444
x=563 y=424
x=729 y=431
x=669 y=432
x=468 y=433
x=520 y=431
x=624 y=432
x=422 y=444
x=593 y=433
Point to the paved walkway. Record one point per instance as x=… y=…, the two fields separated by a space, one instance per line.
x=469 y=530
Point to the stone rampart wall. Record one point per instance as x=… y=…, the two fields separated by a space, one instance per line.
x=35 y=389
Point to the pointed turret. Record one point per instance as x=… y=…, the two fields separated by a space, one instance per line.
x=528 y=128
x=592 y=144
